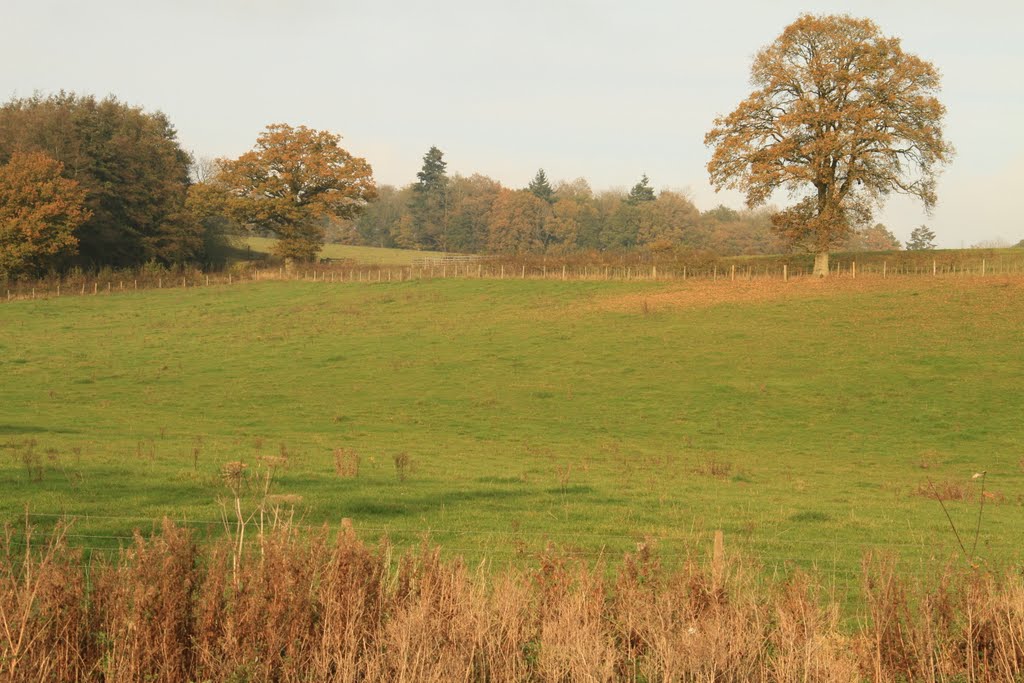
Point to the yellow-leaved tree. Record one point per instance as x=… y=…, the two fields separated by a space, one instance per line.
x=841 y=117
x=39 y=213
x=290 y=181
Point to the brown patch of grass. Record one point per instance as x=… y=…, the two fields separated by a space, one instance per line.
x=945 y=490
x=346 y=463
x=703 y=293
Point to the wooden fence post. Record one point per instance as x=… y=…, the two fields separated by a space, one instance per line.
x=732 y=272
x=785 y=272
x=983 y=267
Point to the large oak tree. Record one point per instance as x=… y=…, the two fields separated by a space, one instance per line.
x=841 y=117
x=290 y=181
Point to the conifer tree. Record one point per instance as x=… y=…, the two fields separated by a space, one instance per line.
x=541 y=188
x=641 y=192
x=429 y=206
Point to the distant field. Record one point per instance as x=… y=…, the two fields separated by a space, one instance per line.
x=367 y=255
x=806 y=419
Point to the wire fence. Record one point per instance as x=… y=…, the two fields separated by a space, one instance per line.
x=109 y=283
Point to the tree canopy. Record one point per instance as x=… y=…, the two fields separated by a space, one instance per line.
x=39 y=213
x=541 y=188
x=290 y=180
x=428 y=224
x=641 y=192
x=129 y=164
x=921 y=239
x=841 y=117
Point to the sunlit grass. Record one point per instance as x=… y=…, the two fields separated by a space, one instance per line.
x=524 y=411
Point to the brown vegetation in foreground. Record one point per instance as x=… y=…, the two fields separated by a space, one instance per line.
x=320 y=607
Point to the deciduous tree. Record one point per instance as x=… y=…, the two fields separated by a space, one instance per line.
x=921 y=239
x=841 y=117
x=290 y=180
x=39 y=213
x=517 y=223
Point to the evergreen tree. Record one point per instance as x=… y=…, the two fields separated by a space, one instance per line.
x=921 y=239
x=429 y=206
x=541 y=188
x=641 y=192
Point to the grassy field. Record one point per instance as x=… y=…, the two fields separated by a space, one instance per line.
x=804 y=419
x=361 y=255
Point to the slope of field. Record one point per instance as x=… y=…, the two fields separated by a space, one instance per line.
x=809 y=421
x=367 y=255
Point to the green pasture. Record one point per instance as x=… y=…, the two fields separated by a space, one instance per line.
x=263 y=246
x=806 y=428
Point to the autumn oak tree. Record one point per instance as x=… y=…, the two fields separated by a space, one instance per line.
x=841 y=117
x=39 y=213
x=292 y=179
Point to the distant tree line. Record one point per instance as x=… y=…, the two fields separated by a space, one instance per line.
x=476 y=214
x=92 y=183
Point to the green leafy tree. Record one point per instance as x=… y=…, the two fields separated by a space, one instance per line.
x=378 y=223
x=429 y=205
x=921 y=239
x=875 y=238
x=840 y=118
x=39 y=213
x=541 y=188
x=290 y=181
x=129 y=164
x=641 y=192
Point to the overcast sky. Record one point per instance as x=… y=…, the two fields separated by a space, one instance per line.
x=602 y=90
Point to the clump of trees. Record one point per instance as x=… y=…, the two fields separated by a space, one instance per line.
x=476 y=214
x=123 y=163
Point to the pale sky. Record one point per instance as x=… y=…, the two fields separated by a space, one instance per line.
x=602 y=90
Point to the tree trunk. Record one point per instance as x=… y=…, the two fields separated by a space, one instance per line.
x=821 y=264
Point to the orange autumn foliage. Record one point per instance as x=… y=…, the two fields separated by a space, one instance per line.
x=39 y=212
x=291 y=181
x=841 y=117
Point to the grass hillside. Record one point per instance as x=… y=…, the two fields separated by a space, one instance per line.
x=808 y=420
x=262 y=246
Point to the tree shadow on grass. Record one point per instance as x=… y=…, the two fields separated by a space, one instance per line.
x=9 y=429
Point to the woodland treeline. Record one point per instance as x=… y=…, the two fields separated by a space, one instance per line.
x=477 y=214
x=91 y=183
